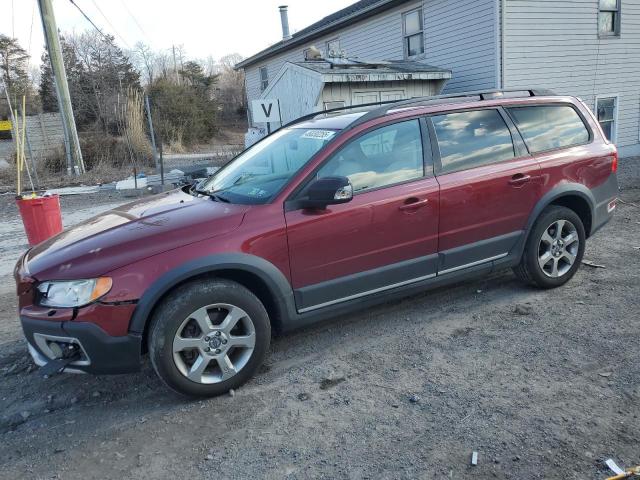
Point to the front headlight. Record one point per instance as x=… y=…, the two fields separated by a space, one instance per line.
x=72 y=293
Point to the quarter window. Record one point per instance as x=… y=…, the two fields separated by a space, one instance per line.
x=548 y=127
x=609 y=17
x=264 y=79
x=471 y=139
x=413 y=34
x=385 y=156
x=606 y=109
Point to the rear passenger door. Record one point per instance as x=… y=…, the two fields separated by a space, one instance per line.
x=488 y=186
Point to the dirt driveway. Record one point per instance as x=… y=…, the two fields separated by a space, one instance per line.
x=542 y=384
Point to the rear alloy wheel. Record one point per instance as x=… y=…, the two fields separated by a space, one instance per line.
x=558 y=248
x=554 y=249
x=208 y=336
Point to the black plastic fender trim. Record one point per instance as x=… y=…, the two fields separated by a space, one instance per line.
x=278 y=285
x=553 y=194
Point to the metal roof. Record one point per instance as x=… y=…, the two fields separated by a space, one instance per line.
x=354 y=12
x=348 y=70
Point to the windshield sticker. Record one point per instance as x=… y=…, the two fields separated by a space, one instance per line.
x=319 y=134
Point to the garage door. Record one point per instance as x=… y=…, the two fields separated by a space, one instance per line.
x=360 y=98
x=377 y=96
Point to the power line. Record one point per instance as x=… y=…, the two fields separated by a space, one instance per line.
x=33 y=14
x=89 y=20
x=135 y=20
x=110 y=24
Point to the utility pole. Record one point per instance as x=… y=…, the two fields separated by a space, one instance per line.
x=153 y=134
x=74 y=155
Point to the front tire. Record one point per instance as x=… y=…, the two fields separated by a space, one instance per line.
x=208 y=336
x=554 y=249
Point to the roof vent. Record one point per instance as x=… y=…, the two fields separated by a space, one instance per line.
x=284 y=19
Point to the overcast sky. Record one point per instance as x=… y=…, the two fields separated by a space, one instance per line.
x=204 y=27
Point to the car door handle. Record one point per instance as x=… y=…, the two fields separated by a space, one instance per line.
x=413 y=204
x=519 y=179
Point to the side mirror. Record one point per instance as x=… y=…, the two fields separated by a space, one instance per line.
x=327 y=191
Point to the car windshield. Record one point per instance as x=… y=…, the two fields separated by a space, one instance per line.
x=258 y=173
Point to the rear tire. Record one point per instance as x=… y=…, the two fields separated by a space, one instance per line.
x=208 y=336
x=554 y=248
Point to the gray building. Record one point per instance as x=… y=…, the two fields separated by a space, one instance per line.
x=587 y=48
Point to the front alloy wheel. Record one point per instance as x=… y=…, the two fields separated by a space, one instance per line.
x=208 y=336
x=214 y=343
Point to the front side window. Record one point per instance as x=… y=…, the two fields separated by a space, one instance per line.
x=606 y=109
x=259 y=173
x=413 y=34
x=471 y=139
x=264 y=79
x=382 y=157
x=609 y=17
x=548 y=127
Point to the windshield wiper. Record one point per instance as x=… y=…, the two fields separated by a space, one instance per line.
x=211 y=195
x=219 y=198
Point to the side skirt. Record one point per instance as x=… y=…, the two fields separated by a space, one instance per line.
x=303 y=319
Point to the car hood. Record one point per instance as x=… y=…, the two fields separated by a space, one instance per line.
x=130 y=233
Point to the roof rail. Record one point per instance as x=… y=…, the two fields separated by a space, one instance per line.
x=451 y=98
x=337 y=109
x=385 y=107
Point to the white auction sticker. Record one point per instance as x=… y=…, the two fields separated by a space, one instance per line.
x=319 y=134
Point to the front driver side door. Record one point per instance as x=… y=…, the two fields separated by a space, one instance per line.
x=385 y=237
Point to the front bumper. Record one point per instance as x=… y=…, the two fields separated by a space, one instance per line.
x=100 y=353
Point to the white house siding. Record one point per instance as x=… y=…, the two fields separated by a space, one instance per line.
x=375 y=38
x=463 y=36
x=460 y=35
x=555 y=45
x=307 y=86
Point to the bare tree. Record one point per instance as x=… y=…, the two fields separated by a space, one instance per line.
x=146 y=61
x=230 y=91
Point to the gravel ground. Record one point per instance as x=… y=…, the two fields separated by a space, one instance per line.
x=542 y=384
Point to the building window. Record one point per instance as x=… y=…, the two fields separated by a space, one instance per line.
x=413 y=34
x=333 y=48
x=264 y=79
x=607 y=111
x=609 y=18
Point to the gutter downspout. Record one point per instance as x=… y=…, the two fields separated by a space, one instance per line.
x=503 y=25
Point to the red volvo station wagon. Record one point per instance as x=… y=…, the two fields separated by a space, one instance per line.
x=333 y=213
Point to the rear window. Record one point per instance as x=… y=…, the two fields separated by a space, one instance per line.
x=471 y=139
x=549 y=127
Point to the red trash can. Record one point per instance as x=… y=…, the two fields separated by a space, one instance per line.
x=41 y=217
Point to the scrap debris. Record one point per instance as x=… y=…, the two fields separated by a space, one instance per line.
x=474 y=458
x=621 y=474
x=593 y=264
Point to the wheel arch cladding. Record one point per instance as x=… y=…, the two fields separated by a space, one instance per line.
x=579 y=205
x=574 y=196
x=263 y=278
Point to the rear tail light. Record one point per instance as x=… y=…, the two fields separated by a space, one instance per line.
x=614 y=163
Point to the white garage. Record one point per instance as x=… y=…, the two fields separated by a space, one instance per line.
x=315 y=85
